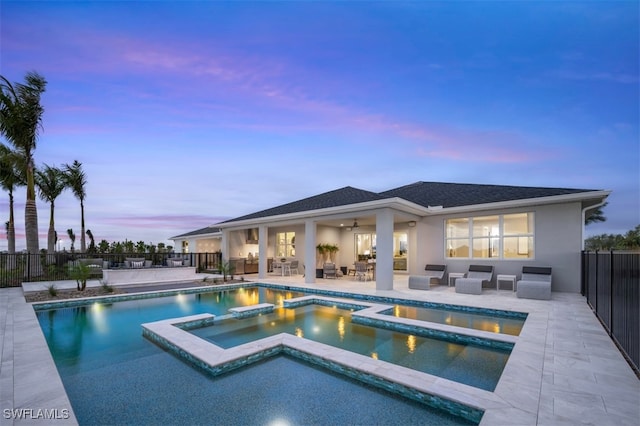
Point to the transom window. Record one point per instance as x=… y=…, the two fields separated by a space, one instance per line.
x=509 y=236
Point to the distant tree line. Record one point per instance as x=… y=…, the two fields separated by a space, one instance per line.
x=628 y=241
x=118 y=247
x=127 y=246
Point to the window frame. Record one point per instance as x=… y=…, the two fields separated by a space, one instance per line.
x=289 y=244
x=496 y=243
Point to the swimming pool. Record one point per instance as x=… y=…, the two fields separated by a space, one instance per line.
x=99 y=352
x=474 y=365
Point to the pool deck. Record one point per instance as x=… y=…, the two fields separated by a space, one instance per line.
x=564 y=369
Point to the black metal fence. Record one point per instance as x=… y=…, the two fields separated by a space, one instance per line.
x=611 y=284
x=25 y=267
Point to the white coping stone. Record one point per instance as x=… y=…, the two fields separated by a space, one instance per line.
x=243 y=309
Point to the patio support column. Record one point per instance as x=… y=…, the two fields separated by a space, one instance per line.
x=224 y=245
x=309 y=251
x=384 y=250
x=262 y=251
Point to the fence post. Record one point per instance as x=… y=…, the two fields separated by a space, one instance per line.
x=28 y=266
x=611 y=293
x=595 y=296
x=585 y=273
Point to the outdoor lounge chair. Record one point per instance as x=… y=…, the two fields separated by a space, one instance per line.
x=535 y=283
x=329 y=270
x=472 y=283
x=434 y=274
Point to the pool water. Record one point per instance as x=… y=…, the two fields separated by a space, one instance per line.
x=478 y=366
x=83 y=337
x=113 y=375
x=477 y=321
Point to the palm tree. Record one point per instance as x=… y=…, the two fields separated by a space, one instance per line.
x=103 y=246
x=141 y=247
x=77 y=181
x=72 y=237
x=51 y=183
x=92 y=241
x=9 y=180
x=20 y=122
x=596 y=215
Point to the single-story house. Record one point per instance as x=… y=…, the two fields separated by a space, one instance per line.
x=405 y=228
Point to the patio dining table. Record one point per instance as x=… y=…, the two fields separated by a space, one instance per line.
x=282 y=265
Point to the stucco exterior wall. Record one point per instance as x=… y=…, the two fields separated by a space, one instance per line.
x=205 y=245
x=558 y=242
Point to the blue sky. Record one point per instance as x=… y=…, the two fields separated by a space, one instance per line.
x=188 y=113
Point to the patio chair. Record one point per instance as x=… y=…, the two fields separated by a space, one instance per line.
x=535 y=283
x=329 y=270
x=362 y=271
x=434 y=274
x=293 y=267
x=475 y=277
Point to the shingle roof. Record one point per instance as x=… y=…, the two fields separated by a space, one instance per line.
x=338 y=197
x=425 y=194
x=460 y=194
x=201 y=231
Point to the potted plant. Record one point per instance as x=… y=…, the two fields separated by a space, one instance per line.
x=321 y=249
x=332 y=249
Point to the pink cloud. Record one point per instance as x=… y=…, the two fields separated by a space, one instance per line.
x=274 y=82
x=170 y=221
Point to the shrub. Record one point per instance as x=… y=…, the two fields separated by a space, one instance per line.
x=53 y=290
x=107 y=288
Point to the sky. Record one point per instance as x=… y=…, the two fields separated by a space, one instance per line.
x=187 y=113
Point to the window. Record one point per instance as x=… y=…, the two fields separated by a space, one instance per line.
x=457 y=238
x=285 y=244
x=509 y=236
x=486 y=236
x=518 y=236
x=365 y=246
x=400 y=243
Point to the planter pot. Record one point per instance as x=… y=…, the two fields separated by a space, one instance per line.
x=319 y=273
